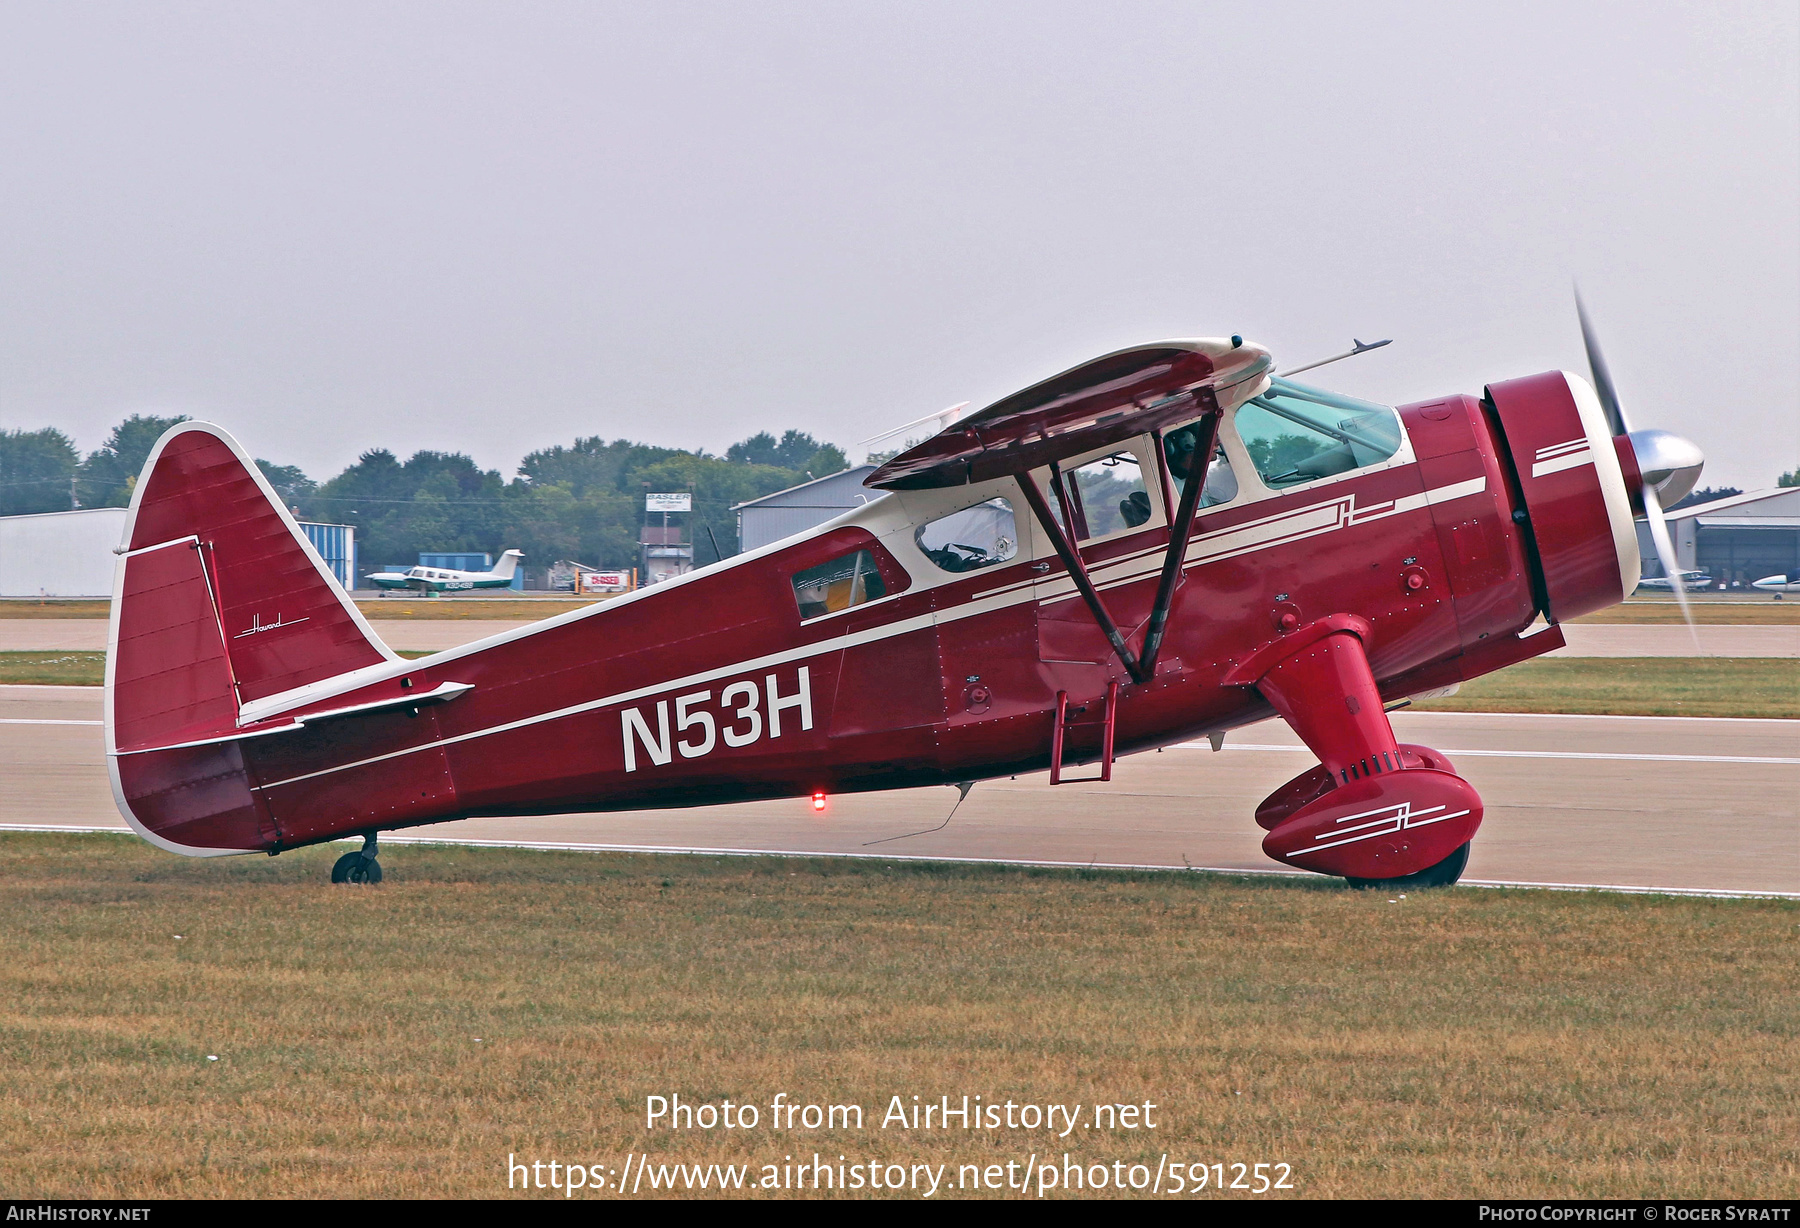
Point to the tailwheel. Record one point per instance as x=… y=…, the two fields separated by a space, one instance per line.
x=359 y=867
x=1443 y=874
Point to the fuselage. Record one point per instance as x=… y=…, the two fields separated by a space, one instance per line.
x=758 y=678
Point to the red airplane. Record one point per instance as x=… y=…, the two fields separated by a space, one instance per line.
x=1162 y=543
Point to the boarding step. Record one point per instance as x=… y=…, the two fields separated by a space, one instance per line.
x=1068 y=718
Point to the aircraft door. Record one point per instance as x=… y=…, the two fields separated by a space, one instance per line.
x=1114 y=503
x=986 y=631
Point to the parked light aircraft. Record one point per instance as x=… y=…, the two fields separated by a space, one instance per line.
x=1162 y=543
x=1692 y=581
x=1789 y=583
x=448 y=580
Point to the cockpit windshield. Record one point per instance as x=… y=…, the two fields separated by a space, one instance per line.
x=1296 y=434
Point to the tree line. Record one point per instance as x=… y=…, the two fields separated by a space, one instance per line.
x=583 y=502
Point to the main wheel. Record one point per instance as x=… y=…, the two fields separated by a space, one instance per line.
x=355 y=868
x=1443 y=874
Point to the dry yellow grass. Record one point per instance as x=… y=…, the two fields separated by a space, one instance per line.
x=1467 y=1042
x=1635 y=686
x=1759 y=611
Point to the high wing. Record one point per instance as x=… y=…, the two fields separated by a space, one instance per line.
x=1106 y=400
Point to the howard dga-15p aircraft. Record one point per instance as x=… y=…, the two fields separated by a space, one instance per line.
x=1162 y=543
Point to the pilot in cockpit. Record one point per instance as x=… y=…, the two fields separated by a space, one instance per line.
x=1178 y=450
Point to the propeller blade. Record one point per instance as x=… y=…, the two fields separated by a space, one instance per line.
x=1603 y=385
x=1665 y=550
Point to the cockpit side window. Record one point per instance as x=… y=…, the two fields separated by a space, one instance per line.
x=1108 y=495
x=971 y=539
x=1178 y=454
x=1295 y=434
x=848 y=580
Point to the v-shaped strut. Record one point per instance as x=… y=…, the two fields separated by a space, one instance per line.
x=1140 y=665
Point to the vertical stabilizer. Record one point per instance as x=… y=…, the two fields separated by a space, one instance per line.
x=282 y=617
x=218 y=599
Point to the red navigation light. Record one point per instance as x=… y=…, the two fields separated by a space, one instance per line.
x=819 y=800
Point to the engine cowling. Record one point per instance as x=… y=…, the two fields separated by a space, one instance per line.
x=1577 y=498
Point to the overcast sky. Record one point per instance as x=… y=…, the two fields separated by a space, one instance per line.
x=495 y=227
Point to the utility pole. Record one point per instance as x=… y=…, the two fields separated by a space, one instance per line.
x=74 y=501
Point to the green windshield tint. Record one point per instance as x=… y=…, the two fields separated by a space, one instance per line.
x=1296 y=434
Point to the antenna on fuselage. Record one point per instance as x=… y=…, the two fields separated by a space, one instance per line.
x=1362 y=347
x=962 y=793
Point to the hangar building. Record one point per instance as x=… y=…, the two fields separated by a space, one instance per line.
x=1742 y=537
x=802 y=507
x=70 y=554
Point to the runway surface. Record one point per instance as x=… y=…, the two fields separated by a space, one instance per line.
x=1642 y=802
x=434 y=635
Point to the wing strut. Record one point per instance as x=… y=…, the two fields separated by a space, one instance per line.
x=1143 y=668
x=1207 y=431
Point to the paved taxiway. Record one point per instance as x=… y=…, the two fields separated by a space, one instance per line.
x=1682 y=803
x=435 y=635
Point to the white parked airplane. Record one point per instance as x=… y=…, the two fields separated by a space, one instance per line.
x=445 y=580
x=1691 y=581
x=1778 y=585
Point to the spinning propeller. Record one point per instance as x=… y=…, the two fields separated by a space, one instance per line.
x=1669 y=465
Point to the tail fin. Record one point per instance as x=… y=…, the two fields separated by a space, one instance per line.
x=509 y=563
x=219 y=599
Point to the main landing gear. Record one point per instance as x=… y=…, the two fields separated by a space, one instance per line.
x=358 y=867
x=1443 y=874
x=1374 y=811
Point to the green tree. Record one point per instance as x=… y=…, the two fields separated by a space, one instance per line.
x=35 y=471
x=796 y=450
x=583 y=501
x=1706 y=494
x=434 y=501
x=1791 y=478
x=106 y=477
x=290 y=482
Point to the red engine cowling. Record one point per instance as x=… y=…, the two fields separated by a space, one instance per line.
x=1574 y=490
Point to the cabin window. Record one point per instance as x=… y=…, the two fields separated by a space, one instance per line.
x=1178 y=453
x=845 y=581
x=1295 y=434
x=1108 y=495
x=971 y=539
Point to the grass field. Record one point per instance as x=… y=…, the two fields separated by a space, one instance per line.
x=1456 y=1043
x=53 y=668
x=1636 y=686
x=1761 y=611
x=72 y=668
